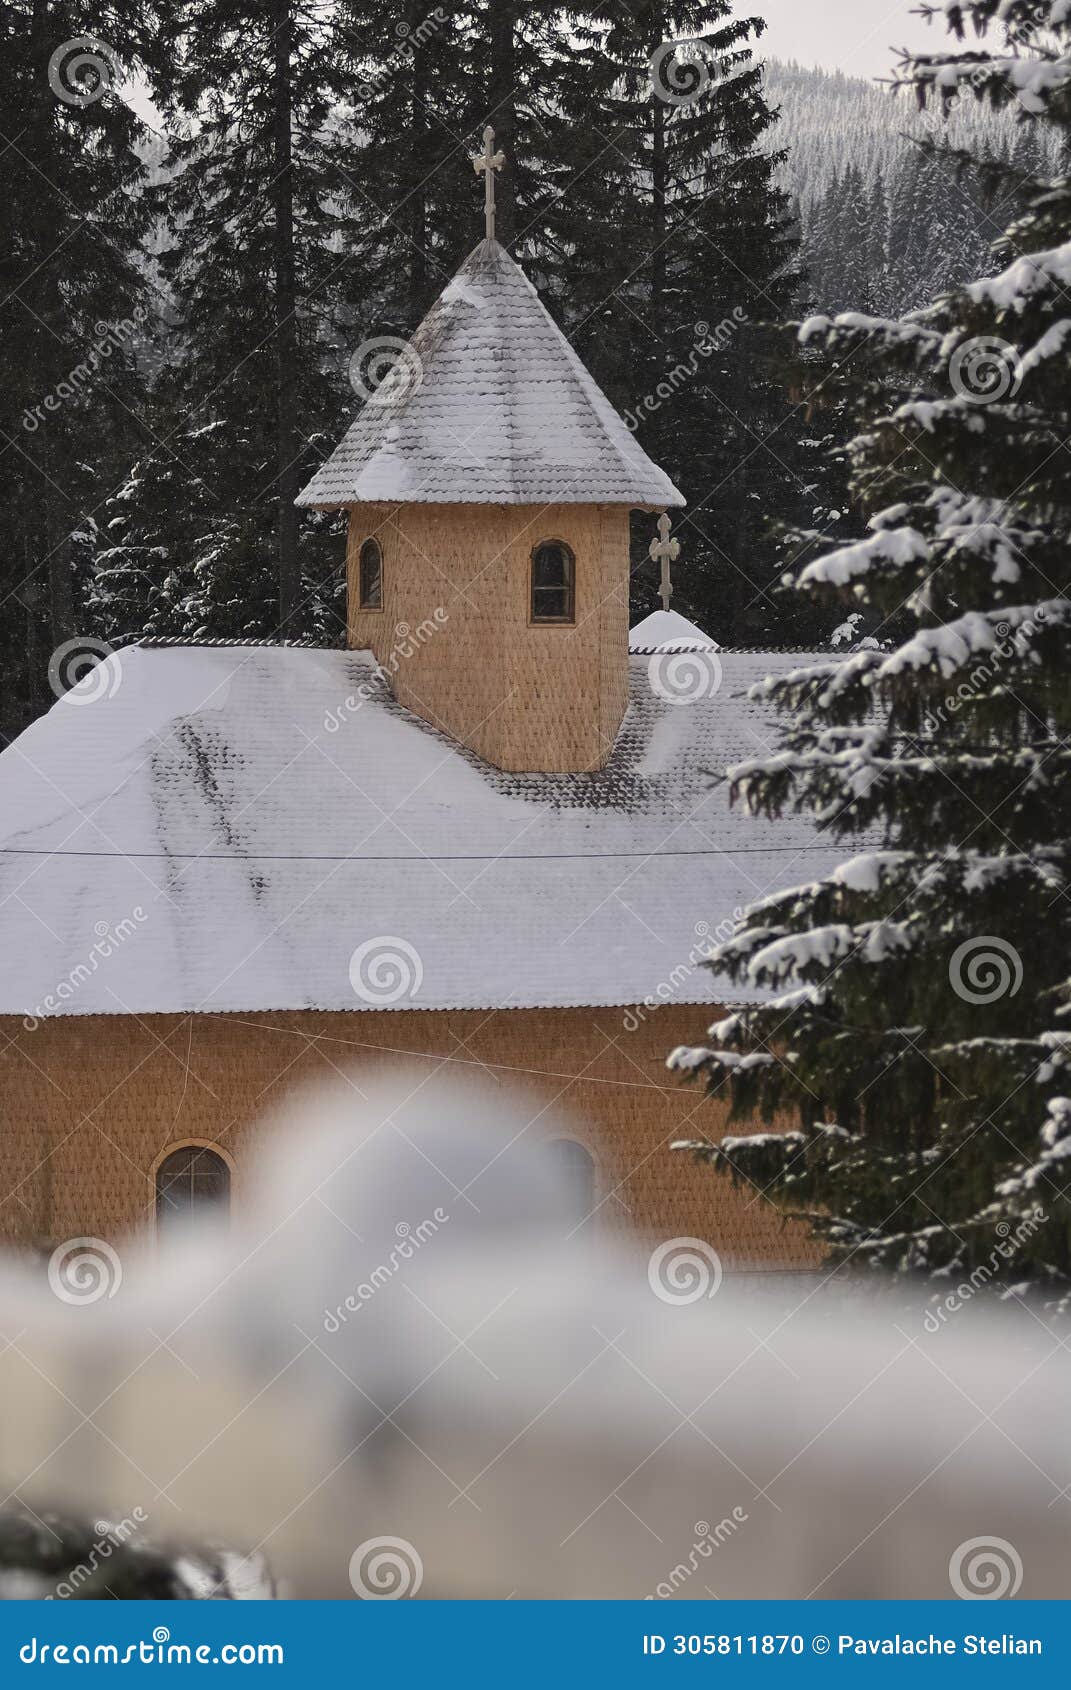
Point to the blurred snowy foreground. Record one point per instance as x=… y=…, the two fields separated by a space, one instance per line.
x=406 y=1370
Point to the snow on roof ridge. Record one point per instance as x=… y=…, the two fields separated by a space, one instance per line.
x=152 y=642
x=493 y=407
x=667 y=631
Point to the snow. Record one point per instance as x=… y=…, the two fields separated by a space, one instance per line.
x=1015 y=287
x=1032 y=81
x=665 y=630
x=929 y=414
x=1007 y=630
x=758 y=1141
x=894 y=546
x=792 y=953
x=903 y=331
x=256 y=814
x=137 y=717
x=950 y=646
x=495 y=408
x=687 y=1058
x=1050 y=345
x=865 y=872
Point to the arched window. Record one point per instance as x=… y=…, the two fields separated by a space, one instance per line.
x=370 y=576
x=192 y=1183
x=577 y=1169
x=553 y=582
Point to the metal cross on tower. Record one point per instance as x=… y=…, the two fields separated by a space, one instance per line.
x=488 y=161
x=664 y=551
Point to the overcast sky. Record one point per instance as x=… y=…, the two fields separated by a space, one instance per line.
x=850 y=35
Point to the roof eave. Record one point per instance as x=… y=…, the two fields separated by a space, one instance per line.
x=676 y=501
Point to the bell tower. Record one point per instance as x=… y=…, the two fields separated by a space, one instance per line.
x=489 y=482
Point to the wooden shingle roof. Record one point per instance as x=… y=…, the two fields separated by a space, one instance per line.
x=218 y=828
x=489 y=404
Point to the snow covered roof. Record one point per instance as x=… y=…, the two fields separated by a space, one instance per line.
x=489 y=404
x=665 y=630
x=264 y=828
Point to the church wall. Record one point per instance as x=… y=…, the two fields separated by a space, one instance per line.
x=89 y=1104
x=467 y=659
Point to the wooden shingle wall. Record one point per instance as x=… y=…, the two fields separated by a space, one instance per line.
x=88 y=1105
x=455 y=636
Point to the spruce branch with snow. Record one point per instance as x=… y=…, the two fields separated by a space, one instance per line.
x=912 y=1029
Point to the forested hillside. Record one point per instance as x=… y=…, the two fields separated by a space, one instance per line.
x=885 y=225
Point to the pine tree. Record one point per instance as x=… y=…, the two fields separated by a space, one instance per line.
x=260 y=214
x=909 y=217
x=407 y=169
x=75 y=301
x=917 y=1028
x=548 y=87
x=877 y=244
x=855 y=269
x=823 y=244
x=171 y=559
x=713 y=261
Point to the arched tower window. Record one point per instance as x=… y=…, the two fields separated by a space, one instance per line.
x=370 y=576
x=577 y=1168
x=553 y=589
x=192 y=1183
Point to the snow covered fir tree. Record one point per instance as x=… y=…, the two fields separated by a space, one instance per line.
x=911 y=1057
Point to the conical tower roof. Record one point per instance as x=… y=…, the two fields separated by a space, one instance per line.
x=490 y=406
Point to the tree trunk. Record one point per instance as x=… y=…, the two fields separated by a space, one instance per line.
x=417 y=189
x=658 y=303
x=42 y=297
x=658 y=215
x=286 y=347
x=502 y=112
x=36 y=666
x=60 y=586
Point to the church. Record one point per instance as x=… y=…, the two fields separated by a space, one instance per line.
x=487 y=834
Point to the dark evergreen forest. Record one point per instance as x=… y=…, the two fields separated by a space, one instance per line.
x=209 y=209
